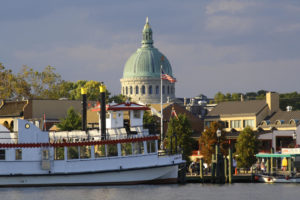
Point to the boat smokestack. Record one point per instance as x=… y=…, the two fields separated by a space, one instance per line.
x=83 y=94
x=103 y=111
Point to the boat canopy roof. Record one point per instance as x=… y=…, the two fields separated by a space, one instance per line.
x=274 y=155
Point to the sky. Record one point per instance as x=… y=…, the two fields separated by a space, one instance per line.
x=224 y=45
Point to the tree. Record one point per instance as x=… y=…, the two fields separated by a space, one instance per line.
x=151 y=123
x=219 y=97
x=208 y=140
x=246 y=147
x=43 y=85
x=118 y=98
x=181 y=128
x=71 y=122
x=12 y=87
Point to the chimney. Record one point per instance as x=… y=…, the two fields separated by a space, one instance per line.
x=103 y=111
x=242 y=97
x=184 y=101
x=272 y=99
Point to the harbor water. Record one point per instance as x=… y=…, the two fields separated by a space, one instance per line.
x=238 y=191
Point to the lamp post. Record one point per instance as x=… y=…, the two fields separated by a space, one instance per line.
x=220 y=161
x=295 y=138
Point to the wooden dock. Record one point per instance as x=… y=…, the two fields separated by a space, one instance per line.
x=240 y=178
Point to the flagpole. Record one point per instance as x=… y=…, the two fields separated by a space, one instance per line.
x=161 y=111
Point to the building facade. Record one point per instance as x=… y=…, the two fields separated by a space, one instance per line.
x=141 y=77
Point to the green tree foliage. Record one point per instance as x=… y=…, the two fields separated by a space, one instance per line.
x=219 y=97
x=290 y=99
x=209 y=139
x=43 y=85
x=246 y=147
x=118 y=98
x=180 y=127
x=71 y=122
x=12 y=87
x=151 y=123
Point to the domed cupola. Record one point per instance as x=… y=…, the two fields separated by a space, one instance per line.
x=142 y=71
x=147 y=35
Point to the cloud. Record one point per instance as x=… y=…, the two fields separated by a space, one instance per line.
x=227 y=6
x=288 y=28
x=234 y=25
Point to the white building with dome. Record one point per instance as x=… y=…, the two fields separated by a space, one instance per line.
x=141 y=77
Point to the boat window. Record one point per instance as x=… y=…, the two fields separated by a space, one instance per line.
x=59 y=153
x=45 y=155
x=100 y=151
x=2 y=154
x=126 y=149
x=112 y=150
x=151 y=146
x=85 y=152
x=18 y=154
x=138 y=148
x=73 y=152
x=137 y=114
x=114 y=115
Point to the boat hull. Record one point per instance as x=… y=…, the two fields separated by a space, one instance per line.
x=275 y=179
x=158 y=175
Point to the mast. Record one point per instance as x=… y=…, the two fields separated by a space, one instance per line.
x=161 y=109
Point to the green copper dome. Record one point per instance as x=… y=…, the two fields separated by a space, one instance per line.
x=146 y=61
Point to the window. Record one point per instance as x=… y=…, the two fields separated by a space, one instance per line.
x=123 y=90
x=172 y=90
x=151 y=146
x=143 y=90
x=126 y=149
x=18 y=154
x=249 y=122
x=59 y=153
x=114 y=115
x=130 y=89
x=126 y=90
x=137 y=114
x=112 y=150
x=235 y=123
x=138 y=148
x=85 y=152
x=168 y=89
x=2 y=154
x=150 y=89
x=100 y=151
x=73 y=153
x=157 y=89
x=107 y=115
x=136 y=89
x=45 y=155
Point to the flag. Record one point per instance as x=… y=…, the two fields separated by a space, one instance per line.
x=167 y=77
x=173 y=113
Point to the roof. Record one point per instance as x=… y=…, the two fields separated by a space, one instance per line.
x=196 y=123
x=12 y=109
x=285 y=116
x=252 y=107
x=122 y=106
x=146 y=61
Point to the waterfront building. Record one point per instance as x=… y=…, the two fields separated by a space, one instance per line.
x=141 y=77
x=44 y=113
x=276 y=128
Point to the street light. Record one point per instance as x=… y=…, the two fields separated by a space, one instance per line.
x=219 y=132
